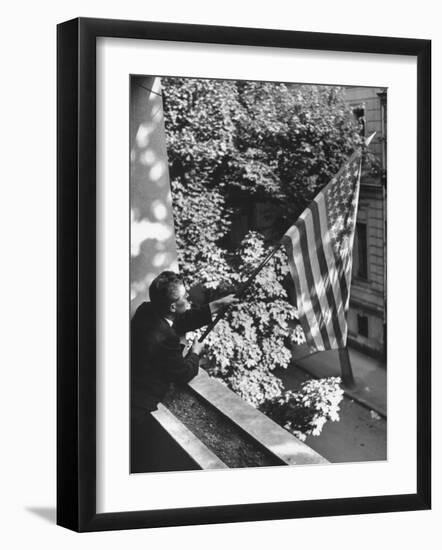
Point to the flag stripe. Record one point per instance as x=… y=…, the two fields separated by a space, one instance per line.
x=326 y=274
x=331 y=265
x=315 y=342
x=321 y=282
x=311 y=283
x=354 y=215
x=340 y=269
x=305 y=303
x=319 y=246
x=344 y=270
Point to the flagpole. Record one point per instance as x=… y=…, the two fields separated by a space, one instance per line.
x=346 y=369
x=244 y=286
x=351 y=157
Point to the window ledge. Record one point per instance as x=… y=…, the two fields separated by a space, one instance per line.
x=264 y=431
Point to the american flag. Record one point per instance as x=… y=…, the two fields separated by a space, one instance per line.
x=319 y=247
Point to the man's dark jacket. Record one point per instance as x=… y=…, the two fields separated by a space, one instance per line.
x=156 y=353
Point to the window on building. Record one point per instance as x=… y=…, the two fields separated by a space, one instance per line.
x=361 y=267
x=363 y=325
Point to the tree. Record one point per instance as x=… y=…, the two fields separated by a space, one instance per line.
x=258 y=141
x=290 y=142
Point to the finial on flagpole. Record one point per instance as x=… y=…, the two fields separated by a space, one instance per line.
x=368 y=140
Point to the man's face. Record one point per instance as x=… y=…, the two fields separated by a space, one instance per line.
x=182 y=303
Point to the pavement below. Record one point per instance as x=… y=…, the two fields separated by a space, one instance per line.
x=360 y=435
x=370 y=375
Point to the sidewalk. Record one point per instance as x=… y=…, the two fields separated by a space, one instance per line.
x=370 y=375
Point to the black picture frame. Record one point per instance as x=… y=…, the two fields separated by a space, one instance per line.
x=76 y=273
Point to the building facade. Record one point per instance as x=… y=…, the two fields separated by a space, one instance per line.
x=367 y=316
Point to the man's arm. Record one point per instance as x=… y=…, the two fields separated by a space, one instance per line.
x=177 y=368
x=192 y=319
x=197 y=317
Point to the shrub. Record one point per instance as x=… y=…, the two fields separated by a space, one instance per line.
x=305 y=411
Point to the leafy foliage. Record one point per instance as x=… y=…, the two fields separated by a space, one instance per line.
x=200 y=216
x=199 y=134
x=254 y=337
x=305 y=411
x=250 y=141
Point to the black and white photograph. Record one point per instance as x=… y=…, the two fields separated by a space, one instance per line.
x=220 y=232
x=258 y=274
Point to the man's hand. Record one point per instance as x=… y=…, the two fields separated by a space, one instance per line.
x=197 y=346
x=228 y=300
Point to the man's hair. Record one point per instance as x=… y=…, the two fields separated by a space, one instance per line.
x=165 y=289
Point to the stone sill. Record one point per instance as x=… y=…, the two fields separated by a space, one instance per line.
x=268 y=435
x=205 y=426
x=198 y=453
